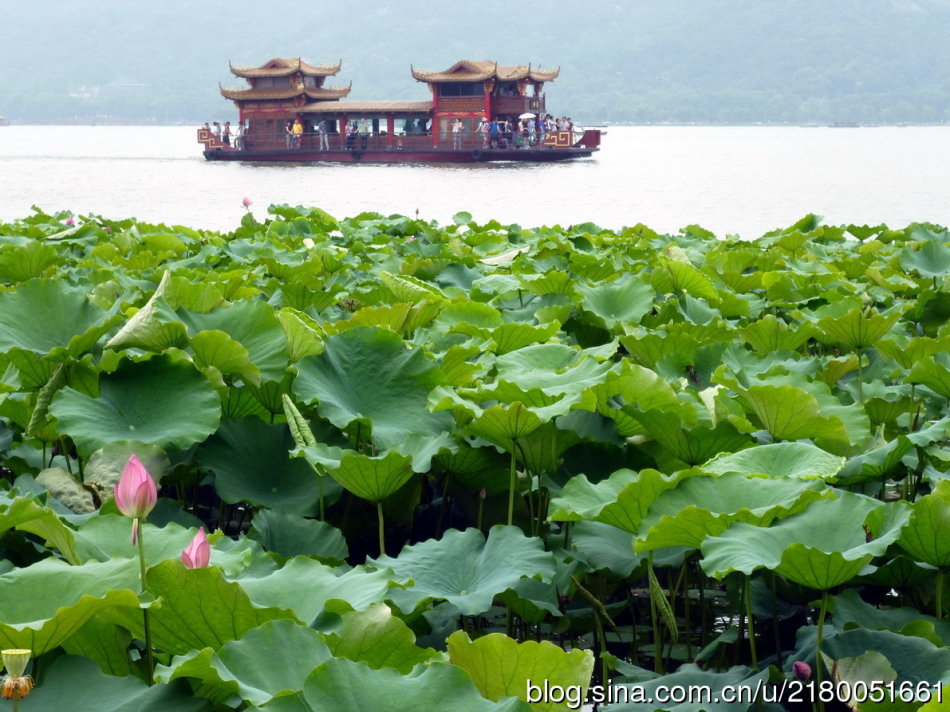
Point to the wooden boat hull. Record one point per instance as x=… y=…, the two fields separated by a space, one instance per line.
x=434 y=155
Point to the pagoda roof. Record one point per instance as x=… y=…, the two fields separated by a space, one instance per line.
x=288 y=93
x=468 y=71
x=284 y=67
x=367 y=107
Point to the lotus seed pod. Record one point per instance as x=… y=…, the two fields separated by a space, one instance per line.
x=15 y=661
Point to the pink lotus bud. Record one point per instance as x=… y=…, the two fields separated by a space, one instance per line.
x=411 y=238
x=198 y=553
x=135 y=493
x=801 y=670
x=70 y=221
x=246 y=202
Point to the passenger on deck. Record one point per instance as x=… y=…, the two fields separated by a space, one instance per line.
x=482 y=130
x=289 y=134
x=239 y=136
x=323 y=131
x=297 y=131
x=216 y=131
x=364 y=134
x=226 y=133
x=456 y=133
x=350 y=135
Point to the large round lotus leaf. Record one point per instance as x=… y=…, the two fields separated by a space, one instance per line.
x=465 y=569
x=199 y=608
x=931 y=260
x=625 y=300
x=251 y=462
x=156 y=401
x=344 y=686
x=369 y=374
x=933 y=372
x=304 y=586
x=267 y=661
x=289 y=535
x=802 y=460
x=927 y=535
x=372 y=478
x=45 y=315
x=252 y=324
x=502 y=667
x=43 y=604
x=379 y=639
x=699 y=507
x=78 y=685
x=824 y=546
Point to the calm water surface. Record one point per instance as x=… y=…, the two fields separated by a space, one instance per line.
x=731 y=180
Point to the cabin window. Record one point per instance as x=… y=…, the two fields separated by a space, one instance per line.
x=272 y=83
x=507 y=89
x=310 y=82
x=461 y=89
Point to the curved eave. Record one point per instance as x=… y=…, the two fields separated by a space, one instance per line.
x=286 y=68
x=282 y=94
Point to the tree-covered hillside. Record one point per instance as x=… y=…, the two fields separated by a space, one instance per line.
x=621 y=60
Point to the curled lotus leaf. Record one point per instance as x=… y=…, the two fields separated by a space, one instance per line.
x=799 y=460
x=700 y=507
x=804 y=548
x=467 y=569
x=502 y=667
x=927 y=535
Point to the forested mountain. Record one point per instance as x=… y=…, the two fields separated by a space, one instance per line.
x=639 y=61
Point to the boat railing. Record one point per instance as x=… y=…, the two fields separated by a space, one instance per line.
x=312 y=141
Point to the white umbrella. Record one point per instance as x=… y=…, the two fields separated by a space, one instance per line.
x=527 y=115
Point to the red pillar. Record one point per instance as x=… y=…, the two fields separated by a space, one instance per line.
x=390 y=130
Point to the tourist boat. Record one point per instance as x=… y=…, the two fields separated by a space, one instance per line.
x=445 y=129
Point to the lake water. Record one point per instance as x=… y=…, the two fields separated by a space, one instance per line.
x=731 y=180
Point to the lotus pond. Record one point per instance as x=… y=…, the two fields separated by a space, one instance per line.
x=437 y=465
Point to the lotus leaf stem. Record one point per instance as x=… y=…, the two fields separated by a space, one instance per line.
x=512 y=483
x=747 y=595
x=382 y=529
x=819 y=663
x=939 y=594
x=149 y=662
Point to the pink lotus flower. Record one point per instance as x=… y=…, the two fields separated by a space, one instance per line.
x=135 y=493
x=801 y=670
x=246 y=202
x=198 y=553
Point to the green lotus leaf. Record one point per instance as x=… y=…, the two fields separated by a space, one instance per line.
x=676 y=276
x=692 y=445
x=936 y=703
x=44 y=604
x=76 y=684
x=289 y=535
x=105 y=643
x=790 y=413
x=304 y=337
x=215 y=349
x=621 y=501
x=912 y=658
x=372 y=478
x=690 y=676
x=368 y=374
x=466 y=569
x=502 y=667
x=502 y=424
x=849 y=608
x=154 y=327
x=109 y=536
x=700 y=507
x=254 y=326
x=931 y=260
x=199 y=609
x=28 y=515
x=857 y=328
x=512 y=336
x=606 y=548
x=797 y=460
x=304 y=586
x=875 y=464
x=933 y=372
x=24 y=262
x=157 y=401
x=251 y=463
x=624 y=300
x=274 y=659
x=407 y=288
x=927 y=535
x=345 y=686
x=67 y=490
x=554 y=369
x=772 y=334
x=104 y=467
x=804 y=549
x=402 y=318
x=48 y=317
x=379 y=639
